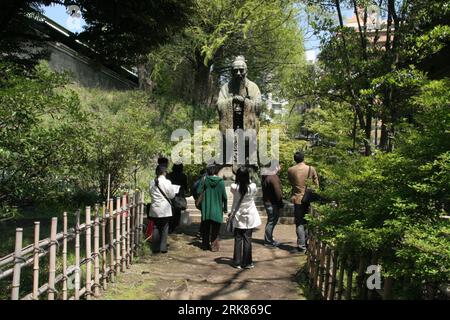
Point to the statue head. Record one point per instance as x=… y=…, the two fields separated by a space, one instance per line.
x=239 y=68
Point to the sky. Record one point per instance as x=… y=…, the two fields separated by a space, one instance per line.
x=75 y=24
x=311 y=41
x=58 y=14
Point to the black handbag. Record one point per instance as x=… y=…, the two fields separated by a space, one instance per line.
x=179 y=202
x=310 y=195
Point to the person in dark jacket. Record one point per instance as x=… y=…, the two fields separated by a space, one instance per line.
x=273 y=201
x=195 y=195
x=177 y=177
x=213 y=206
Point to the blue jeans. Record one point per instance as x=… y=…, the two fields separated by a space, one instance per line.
x=300 y=210
x=273 y=215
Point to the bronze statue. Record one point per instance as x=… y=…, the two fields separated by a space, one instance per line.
x=238 y=105
x=239 y=101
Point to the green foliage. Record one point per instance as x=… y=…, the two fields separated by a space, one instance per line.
x=266 y=33
x=123 y=140
x=392 y=202
x=60 y=141
x=43 y=134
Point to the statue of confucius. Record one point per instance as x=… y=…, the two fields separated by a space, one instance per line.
x=239 y=101
x=238 y=105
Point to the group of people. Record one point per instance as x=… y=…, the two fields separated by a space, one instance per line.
x=211 y=197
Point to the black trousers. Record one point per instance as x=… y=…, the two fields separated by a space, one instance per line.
x=242 y=255
x=160 y=234
x=175 y=220
x=210 y=232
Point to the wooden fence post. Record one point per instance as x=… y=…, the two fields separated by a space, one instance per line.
x=104 y=273
x=111 y=240
x=360 y=283
x=349 y=286
x=117 y=242
x=312 y=261
x=133 y=225
x=333 y=275
x=17 y=265
x=88 y=253
x=316 y=263
x=387 y=288
x=128 y=217
x=64 y=253
x=96 y=253
x=322 y=267
x=327 y=273
x=77 y=257
x=141 y=215
x=341 y=276
x=124 y=236
x=52 y=265
x=36 y=261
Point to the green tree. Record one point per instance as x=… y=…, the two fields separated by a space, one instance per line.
x=265 y=32
x=372 y=76
x=116 y=32
x=43 y=135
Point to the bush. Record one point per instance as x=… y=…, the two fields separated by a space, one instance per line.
x=392 y=202
x=43 y=134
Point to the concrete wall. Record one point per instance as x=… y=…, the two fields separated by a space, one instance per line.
x=84 y=70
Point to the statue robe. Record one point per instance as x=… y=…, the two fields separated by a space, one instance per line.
x=252 y=105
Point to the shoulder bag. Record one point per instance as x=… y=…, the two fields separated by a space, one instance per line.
x=230 y=224
x=164 y=195
x=310 y=195
x=198 y=202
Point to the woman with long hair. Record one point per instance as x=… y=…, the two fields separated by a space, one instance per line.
x=246 y=218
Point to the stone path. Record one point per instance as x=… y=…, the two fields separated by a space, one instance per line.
x=188 y=272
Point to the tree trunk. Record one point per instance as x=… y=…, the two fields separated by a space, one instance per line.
x=384 y=137
x=368 y=133
x=202 y=87
x=144 y=75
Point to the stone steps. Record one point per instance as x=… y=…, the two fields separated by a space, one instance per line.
x=192 y=214
x=195 y=217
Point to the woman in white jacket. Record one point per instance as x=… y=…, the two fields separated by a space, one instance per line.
x=161 y=191
x=245 y=220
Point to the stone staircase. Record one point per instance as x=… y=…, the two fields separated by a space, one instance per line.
x=193 y=215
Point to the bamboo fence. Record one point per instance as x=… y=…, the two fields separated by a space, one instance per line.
x=105 y=253
x=335 y=275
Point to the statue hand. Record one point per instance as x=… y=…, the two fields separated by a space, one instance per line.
x=239 y=99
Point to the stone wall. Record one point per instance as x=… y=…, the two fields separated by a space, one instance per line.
x=85 y=71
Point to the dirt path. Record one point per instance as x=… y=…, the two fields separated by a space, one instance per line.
x=188 y=272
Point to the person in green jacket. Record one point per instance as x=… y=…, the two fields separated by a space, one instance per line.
x=213 y=206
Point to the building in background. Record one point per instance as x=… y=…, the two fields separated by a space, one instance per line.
x=65 y=53
x=376 y=28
